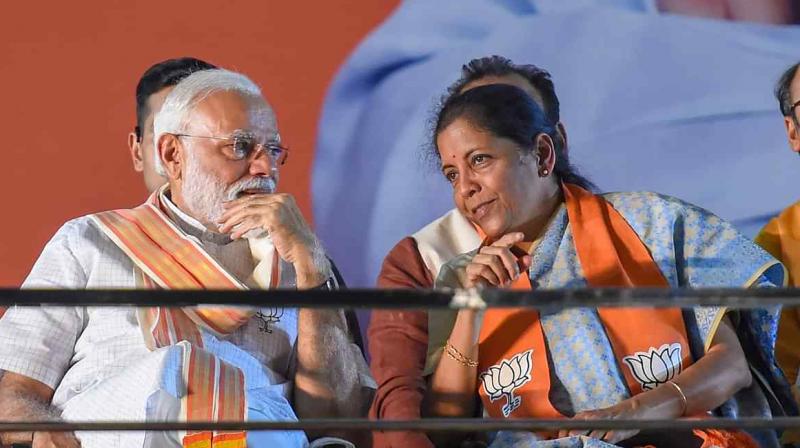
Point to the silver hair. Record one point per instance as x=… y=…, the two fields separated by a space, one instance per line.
x=174 y=114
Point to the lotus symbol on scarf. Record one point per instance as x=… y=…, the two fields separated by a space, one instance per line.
x=657 y=366
x=500 y=380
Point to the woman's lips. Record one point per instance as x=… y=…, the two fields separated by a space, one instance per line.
x=483 y=209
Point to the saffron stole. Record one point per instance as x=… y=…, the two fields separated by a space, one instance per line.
x=611 y=254
x=165 y=257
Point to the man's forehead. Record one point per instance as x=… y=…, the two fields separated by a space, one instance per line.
x=229 y=113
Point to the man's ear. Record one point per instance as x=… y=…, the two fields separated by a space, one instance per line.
x=172 y=155
x=136 y=152
x=793 y=133
x=545 y=152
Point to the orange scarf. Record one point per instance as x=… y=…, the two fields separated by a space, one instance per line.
x=515 y=378
x=611 y=254
x=166 y=258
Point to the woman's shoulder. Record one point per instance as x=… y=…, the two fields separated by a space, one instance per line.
x=649 y=204
x=648 y=197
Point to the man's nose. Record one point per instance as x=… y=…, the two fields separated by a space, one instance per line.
x=261 y=164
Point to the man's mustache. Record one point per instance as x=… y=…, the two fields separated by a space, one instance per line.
x=267 y=184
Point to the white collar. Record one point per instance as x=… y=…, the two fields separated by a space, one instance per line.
x=189 y=224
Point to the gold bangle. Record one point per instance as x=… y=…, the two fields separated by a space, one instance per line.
x=459 y=357
x=684 y=401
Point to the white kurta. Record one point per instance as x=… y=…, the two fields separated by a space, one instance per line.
x=95 y=357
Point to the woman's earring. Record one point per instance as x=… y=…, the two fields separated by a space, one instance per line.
x=544 y=173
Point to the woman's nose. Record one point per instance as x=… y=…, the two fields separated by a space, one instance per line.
x=468 y=186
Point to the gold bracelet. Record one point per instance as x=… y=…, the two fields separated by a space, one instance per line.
x=459 y=357
x=684 y=401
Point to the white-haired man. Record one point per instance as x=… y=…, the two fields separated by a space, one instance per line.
x=217 y=224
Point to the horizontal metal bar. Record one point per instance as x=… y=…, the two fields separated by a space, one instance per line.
x=460 y=425
x=420 y=299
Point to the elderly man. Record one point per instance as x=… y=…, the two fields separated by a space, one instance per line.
x=781 y=236
x=217 y=224
x=153 y=87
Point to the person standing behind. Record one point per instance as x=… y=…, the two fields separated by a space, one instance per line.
x=781 y=236
x=153 y=87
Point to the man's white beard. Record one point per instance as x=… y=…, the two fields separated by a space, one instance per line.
x=204 y=194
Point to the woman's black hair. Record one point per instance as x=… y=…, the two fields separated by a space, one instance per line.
x=507 y=112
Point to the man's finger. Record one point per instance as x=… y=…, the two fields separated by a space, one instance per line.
x=261 y=198
x=247 y=198
x=245 y=226
x=244 y=203
x=231 y=222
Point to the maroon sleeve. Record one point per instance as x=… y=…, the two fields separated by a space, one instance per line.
x=398 y=341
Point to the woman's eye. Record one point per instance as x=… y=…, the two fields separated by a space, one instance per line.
x=451 y=176
x=477 y=159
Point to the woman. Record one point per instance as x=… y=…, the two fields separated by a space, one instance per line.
x=542 y=228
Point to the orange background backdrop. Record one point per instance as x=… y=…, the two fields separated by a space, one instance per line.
x=69 y=72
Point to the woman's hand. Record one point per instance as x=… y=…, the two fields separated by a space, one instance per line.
x=627 y=409
x=495 y=265
x=663 y=402
x=707 y=383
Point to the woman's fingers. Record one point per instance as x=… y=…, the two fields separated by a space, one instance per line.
x=509 y=239
x=478 y=273
x=598 y=434
x=587 y=415
x=506 y=258
x=612 y=437
x=525 y=262
x=495 y=264
x=615 y=437
x=498 y=266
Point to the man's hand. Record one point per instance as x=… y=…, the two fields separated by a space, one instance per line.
x=279 y=215
x=55 y=440
x=25 y=399
x=495 y=265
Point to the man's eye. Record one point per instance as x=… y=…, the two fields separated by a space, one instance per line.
x=241 y=147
